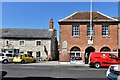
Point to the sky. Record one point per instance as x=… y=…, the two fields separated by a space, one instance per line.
x=59 y=0
x=36 y=15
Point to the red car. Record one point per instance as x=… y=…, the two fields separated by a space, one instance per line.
x=98 y=59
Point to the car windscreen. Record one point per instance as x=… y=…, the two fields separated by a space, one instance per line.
x=16 y=55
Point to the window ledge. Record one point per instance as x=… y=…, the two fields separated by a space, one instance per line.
x=76 y=36
x=105 y=36
x=22 y=45
x=89 y=36
x=38 y=45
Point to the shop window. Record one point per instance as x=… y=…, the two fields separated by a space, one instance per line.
x=75 y=53
x=72 y=56
x=75 y=56
x=75 y=49
x=105 y=49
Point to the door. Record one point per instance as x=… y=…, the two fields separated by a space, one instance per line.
x=9 y=57
x=88 y=50
x=38 y=56
x=105 y=60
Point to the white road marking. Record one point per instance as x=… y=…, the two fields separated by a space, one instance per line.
x=27 y=67
x=22 y=67
x=91 y=69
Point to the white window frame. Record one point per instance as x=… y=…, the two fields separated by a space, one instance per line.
x=88 y=30
x=105 y=30
x=36 y=43
x=75 y=52
x=23 y=43
x=75 y=30
x=40 y=53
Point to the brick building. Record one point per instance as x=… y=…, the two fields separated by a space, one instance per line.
x=76 y=42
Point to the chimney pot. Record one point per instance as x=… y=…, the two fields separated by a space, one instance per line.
x=51 y=24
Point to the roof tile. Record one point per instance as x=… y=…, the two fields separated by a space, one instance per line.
x=86 y=16
x=26 y=33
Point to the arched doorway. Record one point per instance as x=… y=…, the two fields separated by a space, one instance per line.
x=88 y=50
x=75 y=55
x=75 y=49
x=105 y=49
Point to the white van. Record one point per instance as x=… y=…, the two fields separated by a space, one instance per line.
x=6 y=57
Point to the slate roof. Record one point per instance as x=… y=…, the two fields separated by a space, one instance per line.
x=85 y=16
x=26 y=33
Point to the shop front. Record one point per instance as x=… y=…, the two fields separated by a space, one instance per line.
x=75 y=57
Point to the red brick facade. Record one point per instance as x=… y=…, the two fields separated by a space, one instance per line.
x=81 y=42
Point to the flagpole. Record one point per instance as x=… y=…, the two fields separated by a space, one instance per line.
x=91 y=20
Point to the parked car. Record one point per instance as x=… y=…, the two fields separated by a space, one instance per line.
x=6 y=57
x=113 y=72
x=98 y=59
x=23 y=58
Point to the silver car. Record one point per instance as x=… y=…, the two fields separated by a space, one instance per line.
x=6 y=57
x=113 y=72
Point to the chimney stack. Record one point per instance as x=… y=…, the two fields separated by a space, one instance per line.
x=51 y=24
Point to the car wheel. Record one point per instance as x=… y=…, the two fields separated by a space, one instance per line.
x=5 y=61
x=97 y=65
x=22 y=62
